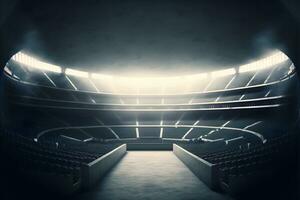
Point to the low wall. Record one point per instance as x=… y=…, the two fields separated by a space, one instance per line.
x=93 y=171
x=57 y=183
x=149 y=147
x=204 y=170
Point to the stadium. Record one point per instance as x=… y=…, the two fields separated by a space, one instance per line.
x=149 y=100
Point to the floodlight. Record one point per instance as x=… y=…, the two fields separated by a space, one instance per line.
x=29 y=61
x=264 y=63
x=77 y=73
x=224 y=72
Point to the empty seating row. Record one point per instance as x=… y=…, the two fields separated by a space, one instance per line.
x=235 y=169
x=59 y=164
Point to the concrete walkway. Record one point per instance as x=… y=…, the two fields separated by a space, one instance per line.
x=156 y=175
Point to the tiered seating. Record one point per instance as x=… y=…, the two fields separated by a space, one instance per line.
x=260 y=77
x=37 y=77
x=222 y=134
x=229 y=98
x=241 y=123
x=241 y=80
x=100 y=133
x=197 y=132
x=255 y=95
x=125 y=132
x=173 y=132
x=82 y=84
x=204 y=99
x=214 y=95
x=47 y=162
x=149 y=132
x=60 y=81
x=270 y=129
x=254 y=164
x=74 y=133
x=239 y=167
x=280 y=71
x=107 y=99
x=19 y=72
x=219 y=83
x=104 y=85
x=65 y=96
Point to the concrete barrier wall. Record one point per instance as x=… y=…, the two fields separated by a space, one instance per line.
x=204 y=170
x=57 y=183
x=93 y=171
x=149 y=147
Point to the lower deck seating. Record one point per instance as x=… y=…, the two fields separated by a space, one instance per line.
x=47 y=161
x=241 y=167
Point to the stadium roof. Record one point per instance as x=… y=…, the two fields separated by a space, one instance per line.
x=150 y=36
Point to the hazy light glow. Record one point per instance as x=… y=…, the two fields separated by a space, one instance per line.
x=137 y=130
x=51 y=81
x=8 y=71
x=101 y=76
x=176 y=124
x=224 y=72
x=143 y=84
x=292 y=69
x=140 y=85
x=32 y=62
x=190 y=130
x=197 y=76
x=161 y=129
x=75 y=88
x=264 y=63
x=77 y=73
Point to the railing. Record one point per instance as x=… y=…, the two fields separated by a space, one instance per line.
x=256 y=134
x=259 y=103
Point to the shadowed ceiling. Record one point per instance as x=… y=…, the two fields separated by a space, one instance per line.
x=173 y=36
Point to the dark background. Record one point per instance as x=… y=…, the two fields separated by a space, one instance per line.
x=173 y=36
x=149 y=36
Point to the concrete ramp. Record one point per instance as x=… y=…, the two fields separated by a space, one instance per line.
x=156 y=175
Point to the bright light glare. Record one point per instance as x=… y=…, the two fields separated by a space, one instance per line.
x=77 y=73
x=161 y=129
x=147 y=85
x=197 y=76
x=137 y=130
x=35 y=63
x=264 y=63
x=291 y=69
x=8 y=71
x=224 y=72
x=100 y=76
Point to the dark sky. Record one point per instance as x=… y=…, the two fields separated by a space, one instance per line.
x=150 y=36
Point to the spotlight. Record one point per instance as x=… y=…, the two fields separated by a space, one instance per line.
x=29 y=61
x=264 y=63
x=77 y=73
x=224 y=72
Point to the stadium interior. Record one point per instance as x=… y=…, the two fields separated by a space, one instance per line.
x=149 y=99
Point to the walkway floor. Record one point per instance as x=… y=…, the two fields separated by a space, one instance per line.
x=157 y=175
